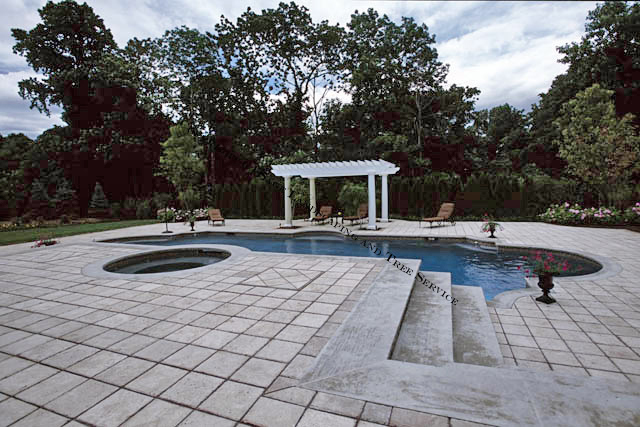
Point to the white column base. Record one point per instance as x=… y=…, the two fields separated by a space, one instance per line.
x=372 y=227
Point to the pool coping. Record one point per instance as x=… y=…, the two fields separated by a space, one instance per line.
x=504 y=299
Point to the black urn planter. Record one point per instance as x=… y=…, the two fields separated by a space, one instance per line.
x=545 y=282
x=192 y=223
x=492 y=230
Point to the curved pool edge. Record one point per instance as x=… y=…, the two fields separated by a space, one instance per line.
x=506 y=299
x=96 y=269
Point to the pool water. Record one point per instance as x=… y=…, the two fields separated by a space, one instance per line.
x=469 y=264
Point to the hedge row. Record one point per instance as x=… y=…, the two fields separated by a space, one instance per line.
x=499 y=196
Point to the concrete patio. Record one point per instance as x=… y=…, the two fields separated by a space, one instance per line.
x=225 y=346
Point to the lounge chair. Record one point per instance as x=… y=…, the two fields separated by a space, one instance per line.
x=444 y=214
x=215 y=215
x=363 y=212
x=325 y=214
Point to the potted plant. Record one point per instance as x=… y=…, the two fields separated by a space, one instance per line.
x=44 y=241
x=192 y=220
x=490 y=226
x=545 y=266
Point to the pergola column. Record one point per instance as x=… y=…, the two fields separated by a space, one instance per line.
x=385 y=200
x=287 y=203
x=312 y=198
x=372 y=202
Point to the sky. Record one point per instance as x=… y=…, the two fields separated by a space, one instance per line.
x=505 y=49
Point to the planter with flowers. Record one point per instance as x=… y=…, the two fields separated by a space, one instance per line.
x=545 y=266
x=490 y=226
x=44 y=241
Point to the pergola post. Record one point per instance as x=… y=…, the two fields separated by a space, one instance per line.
x=312 y=198
x=385 y=200
x=372 y=202
x=287 y=203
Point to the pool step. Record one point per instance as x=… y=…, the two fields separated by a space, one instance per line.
x=474 y=339
x=426 y=334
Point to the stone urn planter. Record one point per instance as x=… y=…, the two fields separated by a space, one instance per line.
x=545 y=282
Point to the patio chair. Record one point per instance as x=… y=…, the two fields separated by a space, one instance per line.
x=363 y=212
x=444 y=214
x=325 y=214
x=215 y=215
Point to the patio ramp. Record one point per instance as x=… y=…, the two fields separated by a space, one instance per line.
x=435 y=332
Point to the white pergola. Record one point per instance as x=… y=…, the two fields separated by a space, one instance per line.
x=371 y=168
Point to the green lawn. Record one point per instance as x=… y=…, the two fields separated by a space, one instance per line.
x=33 y=234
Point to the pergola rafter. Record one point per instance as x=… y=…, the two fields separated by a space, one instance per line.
x=311 y=171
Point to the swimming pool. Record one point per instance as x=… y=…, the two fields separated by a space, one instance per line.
x=472 y=265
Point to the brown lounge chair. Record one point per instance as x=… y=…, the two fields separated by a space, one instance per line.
x=215 y=215
x=444 y=214
x=363 y=212
x=325 y=214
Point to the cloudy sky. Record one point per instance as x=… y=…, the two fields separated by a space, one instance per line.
x=505 y=49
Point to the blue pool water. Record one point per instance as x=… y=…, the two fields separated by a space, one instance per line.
x=468 y=264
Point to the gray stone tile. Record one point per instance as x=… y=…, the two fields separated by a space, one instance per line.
x=192 y=389
x=281 y=351
x=338 y=404
x=159 y=350
x=407 y=418
x=12 y=365
x=70 y=356
x=96 y=363
x=51 y=388
x=310 y=320
x=272 y=413
x=313 y=418
x=215 y=339
x=157 y=380
x=189 y=357
x=299 y=334
x=115 y=409
x=246 y=344
x=222 y=364
x=198 y=419
x=258 y=372
x=13 y=409
x=25 y=378
x=74 y=402
x=187 y=334
x=298 y=366
x=298 y=396
x=232 y=400
x=108 y=338
x=160 y=414
x=41 y=418
x=125 y=371
x=376 y=413
x=26 y=344
x=132 y=345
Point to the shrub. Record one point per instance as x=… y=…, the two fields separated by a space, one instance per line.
x=144 y=209
x=129 y=208
x=39 y=203
x=351 y=196
x=98 y=199
x=65 y=219
x=169 y=214
x=116 y=209
x=190 y=199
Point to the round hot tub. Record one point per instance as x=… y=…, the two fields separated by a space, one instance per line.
x=166 y=261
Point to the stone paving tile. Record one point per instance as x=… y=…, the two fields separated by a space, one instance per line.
x=156 y=380
x=338 y=404
x=198 y=419
x=115 y=409
x=189 y=357
x=42 y=418
x=232 y=400
x=159 y=413
x=407 y=418
x=258 y=372
x=222 y=364
x=376 y=413
x=159 y=350
x=272 y=413
x=313 y=418
x=12 y=410
x=246 y=344
x=51 y=388
x=75 y=401
x=25 y=378
x=192 y=389
x=12 y=365
x=96 y=363
x=125 y=371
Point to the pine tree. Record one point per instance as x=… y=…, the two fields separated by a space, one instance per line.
x=39 y=203
x=65 y=199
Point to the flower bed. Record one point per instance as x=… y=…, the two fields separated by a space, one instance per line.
x=181 y=215
x=576 y=215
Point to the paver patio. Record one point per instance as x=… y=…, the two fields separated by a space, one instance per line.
x=228 y=344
